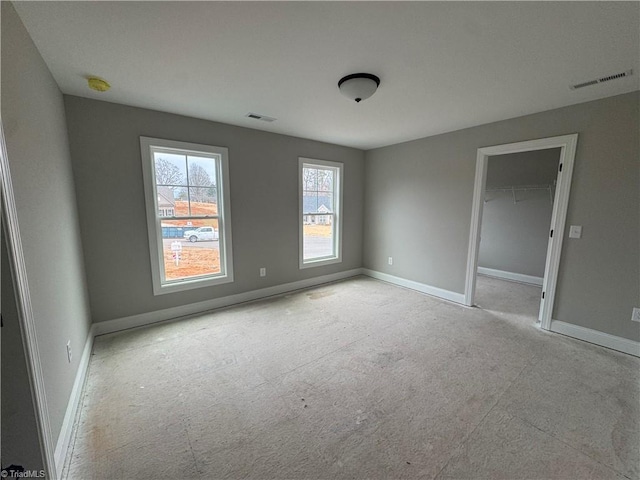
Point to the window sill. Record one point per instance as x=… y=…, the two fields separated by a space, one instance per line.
x=191 y=284
x=320 y=262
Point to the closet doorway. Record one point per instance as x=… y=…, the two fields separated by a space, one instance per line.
x=506 y=175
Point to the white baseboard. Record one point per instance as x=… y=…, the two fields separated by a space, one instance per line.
x=64 y=438
x=594 y=336
x=516 y=277
x=110 y=326
x=420 y=287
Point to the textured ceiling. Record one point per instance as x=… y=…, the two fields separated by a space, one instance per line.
x=443 y=65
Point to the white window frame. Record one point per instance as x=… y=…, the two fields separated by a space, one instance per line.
x=338 y=168
x=160 y=286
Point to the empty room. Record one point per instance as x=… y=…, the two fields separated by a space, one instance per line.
x=320 y=240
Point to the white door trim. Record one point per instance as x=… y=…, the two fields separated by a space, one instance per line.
x=567 y=145
x=25 y=313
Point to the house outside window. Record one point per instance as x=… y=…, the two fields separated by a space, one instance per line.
x=320 y=206
x=188 y=216
x=166 y=202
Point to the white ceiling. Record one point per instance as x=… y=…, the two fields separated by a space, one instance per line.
x=443 y=65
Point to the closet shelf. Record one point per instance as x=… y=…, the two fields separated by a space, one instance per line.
x=513 y=189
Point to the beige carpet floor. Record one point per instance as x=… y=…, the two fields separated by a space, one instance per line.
x=359 y=379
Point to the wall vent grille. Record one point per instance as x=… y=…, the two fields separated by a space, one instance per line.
x=608 y=78
x=257 y=116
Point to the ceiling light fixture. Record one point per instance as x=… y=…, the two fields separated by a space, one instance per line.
x=358 y=86
x=98 y=84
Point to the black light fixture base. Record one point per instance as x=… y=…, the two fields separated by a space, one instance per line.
x=360 y=75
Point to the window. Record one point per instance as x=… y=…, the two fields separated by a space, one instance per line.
x=187 y=198
x=320 y=212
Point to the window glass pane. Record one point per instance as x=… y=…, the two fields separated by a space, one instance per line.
x=309 y=202
x=203 y=185
x=165 y=201
x=318 y=237
x=179 y=197
x=203 y=201
x=191 y=247
x=325 y=202
x=325 y=180
x=202 y=171
x=309 y=179
x=170 y=169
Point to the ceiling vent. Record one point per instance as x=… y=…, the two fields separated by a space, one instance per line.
x=608 y=78
x=257 y=116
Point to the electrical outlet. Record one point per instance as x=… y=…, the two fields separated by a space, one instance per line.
x=390 y=260
x=263 y=272
x=69 y=355
x=635 y=315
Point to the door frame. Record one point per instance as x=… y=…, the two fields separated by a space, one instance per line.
x=567 y=145
x=26 y=319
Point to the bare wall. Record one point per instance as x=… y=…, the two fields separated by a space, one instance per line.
x=515 y=236
x=263 y=168
x=418 y=198
x=539 y=167
x=38 y=153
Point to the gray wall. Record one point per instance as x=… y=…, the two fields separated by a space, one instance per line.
x=263 y=168
x=20 y=445
x=418 y=198
x=539 y=167
x=515 y=236
x=38 y=154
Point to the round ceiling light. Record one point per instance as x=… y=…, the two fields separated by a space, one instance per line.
x=358 y=86
x=98 y=84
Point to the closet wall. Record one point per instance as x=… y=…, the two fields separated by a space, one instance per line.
x=517 y=213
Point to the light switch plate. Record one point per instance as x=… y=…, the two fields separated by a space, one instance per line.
x=575 y=231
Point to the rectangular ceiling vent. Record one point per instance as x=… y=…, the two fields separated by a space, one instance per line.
x=608 y=78
x=257 y=116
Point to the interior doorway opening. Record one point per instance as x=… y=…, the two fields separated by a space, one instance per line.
x=515 y=224
x=565 y=147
